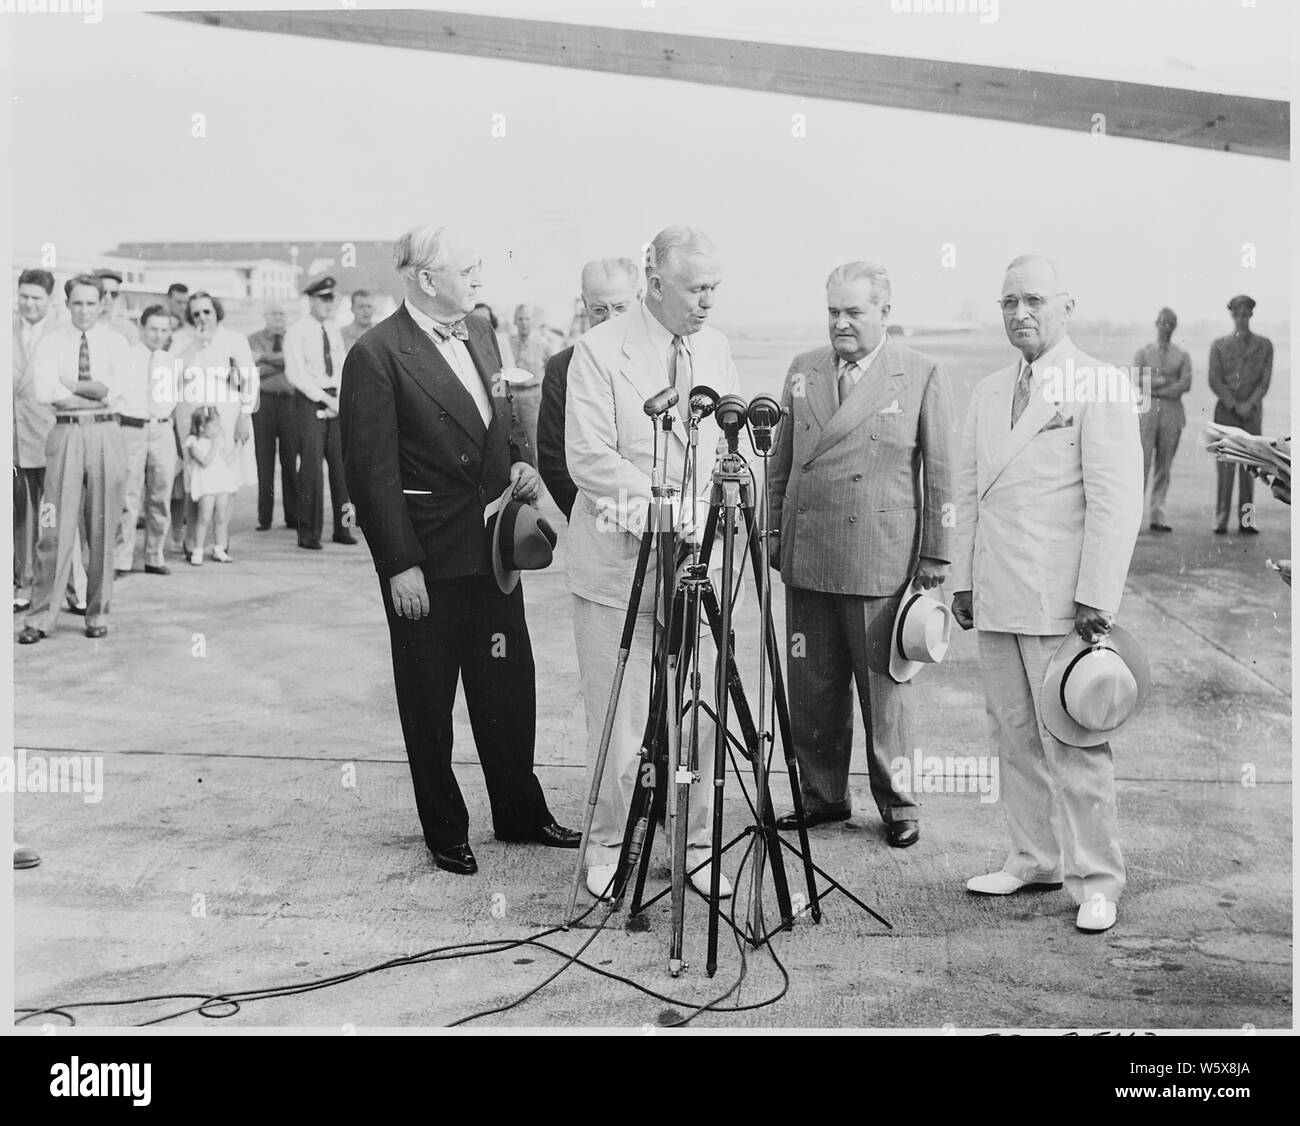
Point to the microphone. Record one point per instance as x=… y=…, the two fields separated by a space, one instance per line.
x=731 y=417
x=703 y=402
x=763 y=415
x=658 y=404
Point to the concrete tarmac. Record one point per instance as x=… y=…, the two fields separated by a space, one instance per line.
x=257 y=826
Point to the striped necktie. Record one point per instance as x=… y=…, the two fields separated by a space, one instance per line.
x=83 y=361
x=847 y=382
x=1021 y=398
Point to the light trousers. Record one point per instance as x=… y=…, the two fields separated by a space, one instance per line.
x=1059 y=800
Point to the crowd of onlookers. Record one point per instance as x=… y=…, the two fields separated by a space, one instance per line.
x=154 y=422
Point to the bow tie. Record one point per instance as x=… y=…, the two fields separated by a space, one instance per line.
x=446 y=332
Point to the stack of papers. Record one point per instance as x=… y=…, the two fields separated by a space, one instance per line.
x=1271 y=457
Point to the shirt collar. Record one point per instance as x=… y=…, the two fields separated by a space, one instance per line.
x=660 y=337
x=864 y=364
x=1044 y=361
x=425 y=322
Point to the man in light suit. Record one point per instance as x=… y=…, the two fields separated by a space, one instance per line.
x=609 y=444
x=429 y=442
x=859 y=481
x=1049 y=503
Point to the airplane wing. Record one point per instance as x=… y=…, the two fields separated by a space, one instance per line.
x=1198 y=118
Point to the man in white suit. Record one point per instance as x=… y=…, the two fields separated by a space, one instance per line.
x=1049 y=502
x=609 y=444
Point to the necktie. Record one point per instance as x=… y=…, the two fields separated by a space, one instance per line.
x=681 y=378
x=1021 y=398
x=329 y=360
x=83 y=360
x=277 y=342
x=847 y=382
x=446 y=332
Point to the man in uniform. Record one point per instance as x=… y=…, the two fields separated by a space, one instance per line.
x=1241 y=368
x=313 y=363
x=1161 y=424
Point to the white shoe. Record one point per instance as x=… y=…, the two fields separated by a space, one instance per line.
x=1004 y=883
x=700 y=882
x=196 y=558
x=221 y=555
x=1096 y=915
x=600 y=881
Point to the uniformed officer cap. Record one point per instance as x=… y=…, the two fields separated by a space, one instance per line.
x=319 y=287
x=104 y=274
x=1241 y=299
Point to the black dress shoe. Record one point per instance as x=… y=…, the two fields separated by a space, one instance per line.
x=344 y=537
x=788 y=822
x=30 y=635
x=78 y=609
x=264 y=527
x=292 y=524
x=458 y=859
x=119 y=574
x=552 y=834
x=1248 y=531
x=1161 y=528
x=160 y=569
x=311 y=545
x=96 y=632
x=1220 y=531
x=902 y=834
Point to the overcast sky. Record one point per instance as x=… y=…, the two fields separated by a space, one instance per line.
x=311 y=139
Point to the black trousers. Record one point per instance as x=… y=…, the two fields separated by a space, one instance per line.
x=276 y=421
x=475 y=634
x=319 y=440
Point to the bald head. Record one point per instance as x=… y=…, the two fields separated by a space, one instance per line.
x=610 y=287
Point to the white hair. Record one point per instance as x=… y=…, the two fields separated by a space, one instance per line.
x=421 y=248
x=610 y=271
x=871 y=272
x=1059 y=277
x=673 y=241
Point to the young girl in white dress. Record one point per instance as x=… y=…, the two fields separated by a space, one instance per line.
x=212 y=472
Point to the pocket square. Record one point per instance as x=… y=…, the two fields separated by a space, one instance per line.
x=893 y=408
x=1057 y=422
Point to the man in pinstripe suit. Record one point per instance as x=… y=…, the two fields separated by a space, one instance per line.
x=860 y=494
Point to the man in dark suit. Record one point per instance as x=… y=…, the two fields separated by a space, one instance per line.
x=610 y=287
x=859 y=481
x=429 y=442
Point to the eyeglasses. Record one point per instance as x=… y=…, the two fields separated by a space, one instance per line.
x=111 y=292
x=204 y=312
x=1033 y=301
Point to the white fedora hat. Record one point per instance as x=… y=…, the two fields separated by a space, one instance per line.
x=922 y=631
x=1091 y=691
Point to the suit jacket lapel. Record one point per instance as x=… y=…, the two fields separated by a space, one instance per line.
x=1008 y=441
x=880 y=384
x=822 y=388
x=425 y=365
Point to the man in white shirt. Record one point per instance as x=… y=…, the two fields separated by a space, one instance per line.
x=32 y=423
x=80 y=371
x=110 y=312
x=149 y=398
x=313 y=362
